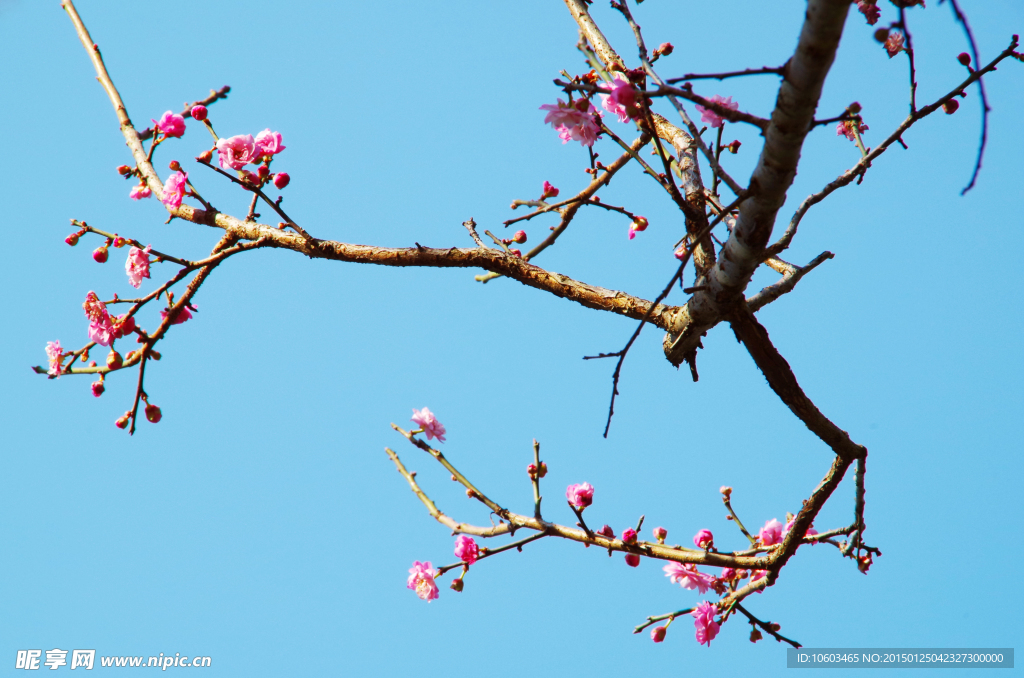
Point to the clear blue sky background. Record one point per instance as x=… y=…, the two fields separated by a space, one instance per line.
x=261 y=523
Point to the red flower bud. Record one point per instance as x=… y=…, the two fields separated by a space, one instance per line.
x=97 y=388
x=199 y=112
x=632 y=559
x=72 y=239
x=124 y=170
x=755 y=635
x=99 y=254
x=175 y=166
x=114 y=360
x=882 y=34
x=119 y=242
x=263 y=172
x=629 y=536
x=520 y=237
x=660 y=533
x=457 y=584
x=281 y=179
x=123 y=421
x=127 y=324
x=658 y=634
x=664 y=49
x=607 y=531
x=516 y=253
x=639 y=224
x=950 y=106
x=734 y=147
x=964 y=58
x=153 y=414
x=205 y=156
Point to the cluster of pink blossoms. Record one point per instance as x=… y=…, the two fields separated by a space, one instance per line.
x=714 y=119
x=421 y=580
x=573 y=121
x=426 y=420
x=238 y=151
x=580 y=495
x=101 y=326
x=137 y=266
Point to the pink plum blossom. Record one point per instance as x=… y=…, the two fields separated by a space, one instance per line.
x=607 y=531
x=268 y=143
x=870 y=11
x=894 y=43
x=179 y=317
x=846 y=129
x=174 y=189
x=54 y=354
x=620 y=99
x=466 y=549
x=139 y=192
x=171 y=124
x=101 y=327
x=712 y=118
x=707 y=627
x=629 y=536
x=580 y=495
x=137 y=266
x=426 y=420
x=687 y=576
x=660 y=533
x=236 y=152
x=574 y=122
x=789 y=526
x=771 y=533
x=421 y=580
x=703 y=539
x=549 y=191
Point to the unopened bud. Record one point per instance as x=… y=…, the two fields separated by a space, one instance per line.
x=199 y=112
x=114 y=360
x=281 y=179
x=471 y=494
x=119 y=242
x=543 y=470
x=658 y=634
x=124 y=170
x=205 y=156
x=99 y=254
x=639 y=224
x=755 y=635
x=664 y=49
x=629 y=536
x=582 y=105
x=155 y=355
x=882 y=34
x=734 y=147
x=153 y=414
x=123 y=421
x=263 y=172
x=129 y=357
x=660 y=533
x=127 y=324
x=516 y=253
x=950 y=106
x=964 y=58
x=174 y=165
x=607 y=531
x=72 y=239
x=775 y=627
x=632 y=559
x=519 y=237
x=457 y=584
x=97 y=388
x=726 y=492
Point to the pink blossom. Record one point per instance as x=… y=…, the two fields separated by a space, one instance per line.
x=236 y=152
x=549 y=191
x=466 y=549
x=179 y=317
x=714 y=119
x=870 y=11
x=681 y=252
x=621 y=99
x=581 y=495
x=421 y=580
x=894 y=43
x=426 y=420
x=846 y=128
x=101 y=328
x=139 y=192
x=789 y=526
x=658 y=633
x=633 y=560
x=54 y=353
x=771 y=533
x=137 y=266
x=704 y=539
x=629 y=536
x=607 y=531
x=637 y=225
x=174 y=189
x=572 y=123
x=171 y=124
x=688 y=576
x=707 y=627
x=727 y=574
x=268 y=143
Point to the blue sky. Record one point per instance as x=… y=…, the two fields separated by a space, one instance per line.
x=260 y=523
